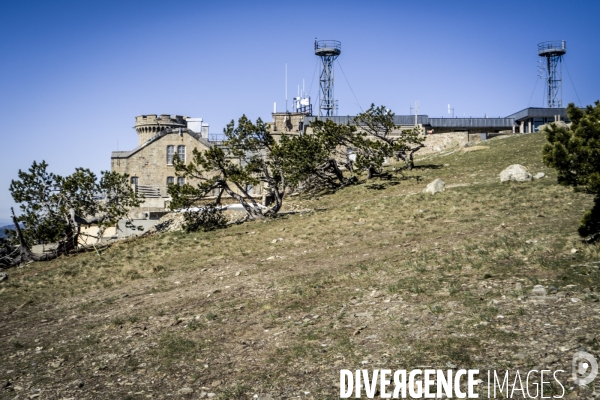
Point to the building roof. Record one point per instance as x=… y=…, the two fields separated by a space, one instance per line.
x=459 y=123
x=533 y=112
x=164 y=132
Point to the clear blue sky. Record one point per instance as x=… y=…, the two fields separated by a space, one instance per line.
x=74 y=74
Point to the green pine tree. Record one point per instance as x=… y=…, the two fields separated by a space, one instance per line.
x=575 y=153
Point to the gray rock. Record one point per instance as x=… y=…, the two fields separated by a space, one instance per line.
x=211 y=395
x=539 y=175
x=552 y=289
x=515 y=172
x=539 y=290
x=437 y=186
x=76 y=384
x=185 y=390
x=3 y=277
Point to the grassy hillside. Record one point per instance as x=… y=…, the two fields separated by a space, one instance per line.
x=379 y=275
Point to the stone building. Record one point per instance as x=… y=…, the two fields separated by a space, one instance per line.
x=150 y=164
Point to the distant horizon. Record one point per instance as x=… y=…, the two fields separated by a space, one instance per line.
x=79 y=73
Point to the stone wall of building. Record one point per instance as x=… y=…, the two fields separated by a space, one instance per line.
x=149 y=164
x=288 y=122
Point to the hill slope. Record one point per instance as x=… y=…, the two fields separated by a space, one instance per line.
x=379 y=275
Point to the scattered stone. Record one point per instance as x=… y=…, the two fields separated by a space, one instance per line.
x=264 y=397
x=359 y=330
x=552 y=289
x=437 y=186
x=211 y=395
x=376 y=294
x=185 y=390
x=124 y=295
x=539 y=175
x=515 y=172
x=573 y=251
x=76 y=384
x=238 y=273
x=3 y=277
x=539 y=290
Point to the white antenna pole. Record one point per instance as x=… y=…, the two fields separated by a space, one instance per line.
x=302 y=87
x=416 y=111
x=274 y=107
x=286 y=87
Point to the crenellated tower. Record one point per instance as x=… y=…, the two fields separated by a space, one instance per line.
x=148 y=126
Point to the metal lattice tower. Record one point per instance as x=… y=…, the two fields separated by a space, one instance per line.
x=553 y=51
x=328 y=51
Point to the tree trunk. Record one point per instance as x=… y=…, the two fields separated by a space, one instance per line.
x=25 y=253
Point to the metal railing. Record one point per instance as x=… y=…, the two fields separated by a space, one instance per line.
x=148 y=191
x=506 y=123
x=328 y=46
x=552 y=46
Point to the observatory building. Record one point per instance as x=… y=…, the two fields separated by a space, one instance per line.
x=161 y=137
x=150 y=164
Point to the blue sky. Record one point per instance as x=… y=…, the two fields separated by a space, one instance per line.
x=75 y=74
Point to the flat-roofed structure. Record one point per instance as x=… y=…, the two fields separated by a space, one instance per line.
x=527 y=120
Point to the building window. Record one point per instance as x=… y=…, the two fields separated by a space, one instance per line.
x=170 y=152
x=180 y=180
x=181 y=153
x=250 y=189
x=134 y=180
x=170 y=180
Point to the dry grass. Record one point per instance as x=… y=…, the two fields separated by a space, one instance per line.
x=378 y=275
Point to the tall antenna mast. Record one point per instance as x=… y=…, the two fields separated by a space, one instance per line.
x=553 y=51
x=327 y=51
